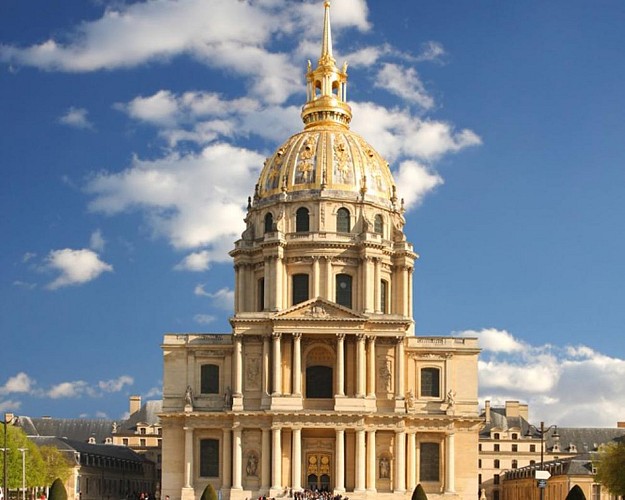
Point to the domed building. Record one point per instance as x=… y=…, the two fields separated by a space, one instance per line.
x=322 y=384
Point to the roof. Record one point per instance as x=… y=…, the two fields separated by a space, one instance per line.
x=499 y=421
x=584 y=439
x=147 y=414
x=79 y=429
x=102 y=450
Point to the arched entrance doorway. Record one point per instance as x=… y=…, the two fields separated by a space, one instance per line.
x=319 y=471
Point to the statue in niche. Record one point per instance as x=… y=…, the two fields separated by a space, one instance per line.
x=251 y=469
x=451 y=397
x=384 y=468
x=386 y=375
x=228 y=398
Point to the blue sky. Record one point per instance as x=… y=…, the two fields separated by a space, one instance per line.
x=133 y=132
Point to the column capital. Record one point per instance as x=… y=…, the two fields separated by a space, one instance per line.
x=361 y=337
x=297 y=335
x=340 y=336
x=276 y=335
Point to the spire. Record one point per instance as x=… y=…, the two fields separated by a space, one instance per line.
x=326 y=85
x=326 y=43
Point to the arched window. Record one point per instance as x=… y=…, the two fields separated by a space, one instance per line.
x=378 y=224
x=342 y=221
x=319 y=382
x=430 y=383
x=209 y=458
x=269 y=222
x=383 y=296
x=299 y=288
x=344 y=290
x=302 y=220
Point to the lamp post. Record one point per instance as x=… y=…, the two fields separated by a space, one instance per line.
x=23 y=451
x=8 y=419
x=542 y=431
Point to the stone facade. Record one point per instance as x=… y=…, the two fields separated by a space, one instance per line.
x=322 y=383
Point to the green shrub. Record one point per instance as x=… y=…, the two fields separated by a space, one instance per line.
x=419 y=493
x=209 y=493
x=57 y=490
x=576 y=493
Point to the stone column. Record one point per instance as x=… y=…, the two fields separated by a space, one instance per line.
x=276 y=458
x=238 y=365
x=340 y=362
x=188 y=457
x=277 y=364
x=297 y=364
x=237 y=287
x=329 y=280
x=279 y=295
x=371 y=367
x=265 y=374
x=450 y=486
x=406 y=292
x=340 y=460
x=226 y=466
x=400 y=462
x=237 y=459
x=361 y=368
x=376 y=287
x=412 y=462
x=296 y=460
x=369 y=287
x=371 y=468
x=360 y=460
x=315 y=278
x=265 y=464
x=399 y=368
x=410 y=301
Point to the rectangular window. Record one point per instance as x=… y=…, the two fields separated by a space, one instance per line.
x=515 y=448
x=430 y=383
x=496 y=479
x=344 y=290
x=383 y=294
x=261 y=295
x=496 y=447
x=300 y=288
x=596 y=492
x=429 y=463
x=209 y=458
x=533 y=448
x=209 y=383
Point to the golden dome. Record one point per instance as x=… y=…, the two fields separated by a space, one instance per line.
x=326 y=157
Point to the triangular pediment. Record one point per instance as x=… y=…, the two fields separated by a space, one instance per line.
x=318 y=309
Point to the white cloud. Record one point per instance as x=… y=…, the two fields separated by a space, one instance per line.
x=154 y=392
x=566 y=385
x=20 y=383
x=222 y=298
x=415 y=181
x=115 y=385
x=69 y=390
x=203 y=319
x=76 y=267
x=192 y=200
x=10 y=405
x=76 y=117
x=405 y=83
x=97 y=241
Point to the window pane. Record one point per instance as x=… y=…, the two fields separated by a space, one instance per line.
x=268 y=223
x=383 y=292
x=209 y=379
x=319 y=382
x=429 y=462
x=430 y=382
x=300 y=288
x=209 y=458
x=342 y=220
x=261 y=294
x=344 y=290
x=301 y=220
x=378 y=224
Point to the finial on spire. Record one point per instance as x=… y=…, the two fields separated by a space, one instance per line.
x=326 y=44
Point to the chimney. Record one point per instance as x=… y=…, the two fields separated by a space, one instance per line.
x=135 y=404
x=487 y=411
x=524 y=411
x=512 y=409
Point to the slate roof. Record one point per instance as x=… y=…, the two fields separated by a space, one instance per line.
x=498 y=420
x=148 y=414
x=78 y=429
x=584 y=439
x=103 y=450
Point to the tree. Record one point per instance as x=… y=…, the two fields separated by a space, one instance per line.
x=57 y=490
x=419 y=493
x=610 y=467
x=576 y=493
x=208 y=494
x=33 y=463
x=56 y=464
